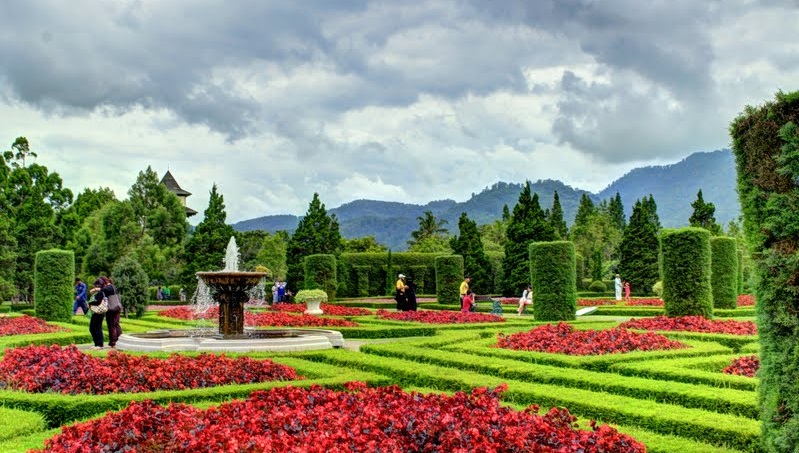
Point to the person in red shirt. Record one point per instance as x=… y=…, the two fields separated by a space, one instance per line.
x=627 y=291
x=468 y=300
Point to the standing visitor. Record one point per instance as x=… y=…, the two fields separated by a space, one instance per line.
x=104 y=288
x=159 y=294
x=464 y=287
x=399 y=293
x=410 y=295
x=281 y=292
x=80 y=297
x=167 y=293
x=627 y=291
x=96 y=323
x=617 y=285
x=526 y=299
x=274 y=291
x=182 y=294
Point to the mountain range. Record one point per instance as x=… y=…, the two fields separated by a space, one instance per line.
x=674 y=188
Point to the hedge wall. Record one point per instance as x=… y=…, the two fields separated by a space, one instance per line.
x=495 y=259
x=686 y=272
x=740 y=273
x=449 y=275
x=553 y=275
x=724 y=271
x=364 y=274
x=766 y=146
x=320 y=273
x=53 y=290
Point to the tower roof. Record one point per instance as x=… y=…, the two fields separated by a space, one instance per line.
x=169 y=181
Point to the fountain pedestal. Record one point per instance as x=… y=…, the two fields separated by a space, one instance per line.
x=229 y=290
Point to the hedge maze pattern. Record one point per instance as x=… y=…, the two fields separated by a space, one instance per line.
x=676 y=400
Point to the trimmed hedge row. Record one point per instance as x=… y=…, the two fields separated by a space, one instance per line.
x=686 y=272
x=724 y=272
x=53 y=290
x=365 y=274
x=449 y=275
x=553 y=276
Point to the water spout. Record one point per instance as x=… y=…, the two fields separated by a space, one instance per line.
x=232 y=256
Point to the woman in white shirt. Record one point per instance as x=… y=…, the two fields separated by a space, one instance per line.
x=526 y=299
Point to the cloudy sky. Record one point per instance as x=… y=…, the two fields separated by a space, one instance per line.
x=390 y=100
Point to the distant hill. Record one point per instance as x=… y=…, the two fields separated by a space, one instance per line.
x=673 y=186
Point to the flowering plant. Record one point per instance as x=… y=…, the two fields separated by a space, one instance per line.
x=289 y=320
x=565 y=339
x=743 y=366
x=693 y=324
x=23 y=325
x=329 y=309
x=746 y=300
x=439 y=317
x=595 y=302
x=40 y=369
x=317 y=420
x=189 y=313
x=652 y=301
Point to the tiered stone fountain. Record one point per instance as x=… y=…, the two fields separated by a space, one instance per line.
x=230 y=289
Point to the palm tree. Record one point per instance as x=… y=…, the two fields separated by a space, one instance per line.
x=428 y=226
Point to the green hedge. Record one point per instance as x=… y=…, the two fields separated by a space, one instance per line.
x=15 y=423
x=724 y=272
x=130 y=281
x=686 y=272
x=320 y=273
x=54 y=279
x=552 y=270
x=449 y=275
x=365 y=274
x=739 y=277
x=766 y=145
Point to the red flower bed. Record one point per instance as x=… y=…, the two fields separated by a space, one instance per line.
x=329 y=309
x=565 y=339
x=439 y=317
x=40 y=369
x=509 y=300
x=23 y=325
x=289 y=419
x=652 y=302
x=595 y=302
x=746 y=300
x=189 y=313
x=693 y=324
x=744 y=366
x=288 y=320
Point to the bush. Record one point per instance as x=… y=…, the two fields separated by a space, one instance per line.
x=305 y=295
x=554 y=280
x=597 y=287
x=657 y=288
x=686 y=272
x=724 y=272
x=320 y=273
x=53 y=291
x=131 y=281
x=449 y=275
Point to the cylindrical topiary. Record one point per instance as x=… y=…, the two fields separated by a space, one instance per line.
x=579 y=263
x=552 y=271
x=724 y=271
x=320 y=273
x=53 y=284
x=132 y=284
x=686 y=272
x=597 y=287
x=740 y=273
x=765 y=141
x=449 y=275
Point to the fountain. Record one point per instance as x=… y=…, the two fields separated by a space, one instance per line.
x=229 y=288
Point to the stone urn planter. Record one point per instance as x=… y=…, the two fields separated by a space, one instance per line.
x=312 y=299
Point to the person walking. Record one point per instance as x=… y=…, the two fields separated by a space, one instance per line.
x=410 y=295
x=399 y=293
x=96 y=323
x=105 y=289
x=617 y=286
x=464 y=287
x=80 y=297
x=626 y=291
x=526 y=299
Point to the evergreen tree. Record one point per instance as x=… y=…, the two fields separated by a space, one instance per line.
x=704 y=215
x=272 y=254
x=505 y=213
x=639 y=248
x=469 y=244
x=556 y=218
x=316 y=233
x=616 y=212
x=585 y=210
x=527 y=225
x=158 y=211
x=205 y=250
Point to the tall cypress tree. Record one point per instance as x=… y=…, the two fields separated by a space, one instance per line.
x=616 y=212
x=316 y=233
x=469 y=244
x=639 y=248
x=205 y=250
x=704 y=215
x=527 y=224
x=585 y=210
x=556 y=218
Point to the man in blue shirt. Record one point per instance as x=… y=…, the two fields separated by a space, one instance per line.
x=80 y=297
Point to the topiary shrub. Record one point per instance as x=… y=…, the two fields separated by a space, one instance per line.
x=449 y=275
x=657 y=288
x=53 y=280
x=740 y=274
x=131 y=282
x=552 y=269
x=686 y=272
x=597 y=287
x=724 y=271
x=320 y=273
x=766 y=145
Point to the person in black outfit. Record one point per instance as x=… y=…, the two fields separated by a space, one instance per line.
x=410 y=295
x=103 y=288
x=96 y=323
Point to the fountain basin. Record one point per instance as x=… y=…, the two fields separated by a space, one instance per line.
x=229 y=290
x=252 y=340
